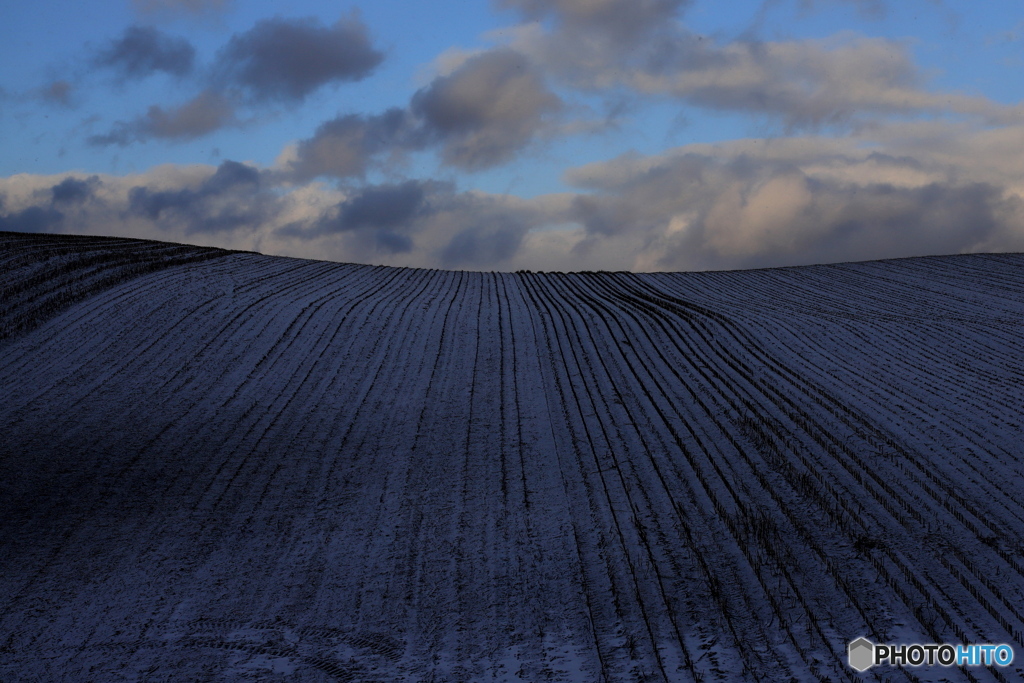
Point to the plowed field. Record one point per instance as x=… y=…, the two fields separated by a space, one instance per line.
x=227 y=466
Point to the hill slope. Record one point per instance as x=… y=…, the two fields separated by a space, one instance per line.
x=235 y=466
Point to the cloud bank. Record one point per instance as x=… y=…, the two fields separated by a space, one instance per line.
x=911 y=189
x=866 y=160
x=794 y=202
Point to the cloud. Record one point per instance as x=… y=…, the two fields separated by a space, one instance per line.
x=181 y=7
x=32 y=219
x=229 y=205
x=230 y=199
x=802 y=201
x=286 y=60
x=804 y=83
x=375 y=220
x=144 y=50
x=57 y=92
x=842 y=81
x=203 y=114
x=875 y=9
x=278 y=60
x=426 y=222
x=382 y=206
x=869 y=9
x=73 y=190
x=347 y=146
x=421 y=223
x=624 y=22
x=905 y=189
x=486 y=110
x=383 y=216
x=491 y=238
x=480 y=115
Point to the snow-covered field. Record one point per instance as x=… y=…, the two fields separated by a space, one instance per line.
x=229 y=466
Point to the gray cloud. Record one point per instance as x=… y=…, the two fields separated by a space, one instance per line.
x=473 y=229
x=144 y=50
x=181 y=7
x=287 y=59
x=425 y=220
x=348 y=145
x=382 y=217
x=480 y=231
x=230 y=199
x=57 y=92
x=32 y=219
x=487 y=110
x=480 y=115
x=276 y=60
x=806 y=84
x=382 y=206
x=203 y=114
x=230 y=175
x=232 y=205
x=624 y=22
x=72 y=190
x=804 y=205
x=871 y=9
x=912 y=188
x=842 y=81
x=485 y=245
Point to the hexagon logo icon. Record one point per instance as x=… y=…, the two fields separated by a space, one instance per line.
x=862 y=654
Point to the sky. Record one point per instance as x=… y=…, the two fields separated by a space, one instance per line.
x=556 y=135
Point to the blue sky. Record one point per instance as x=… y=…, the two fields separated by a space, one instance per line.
x=540 y=134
